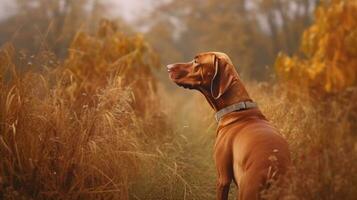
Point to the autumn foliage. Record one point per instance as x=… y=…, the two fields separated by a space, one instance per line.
x=328 y=63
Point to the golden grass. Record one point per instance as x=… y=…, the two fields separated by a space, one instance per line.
x=322 y=138
x=100 y=126
x=72 y=131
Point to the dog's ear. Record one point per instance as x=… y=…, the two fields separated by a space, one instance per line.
x=222 y=78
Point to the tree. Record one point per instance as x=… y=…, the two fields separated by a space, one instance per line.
x=251 y=32
x=286 y=20
x=202 y=26
x=48 y=24
x=329 y=61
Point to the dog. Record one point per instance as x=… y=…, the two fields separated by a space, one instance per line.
x=248 y=149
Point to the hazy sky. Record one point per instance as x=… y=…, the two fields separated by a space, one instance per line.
x=6 y=8
x=129 y=9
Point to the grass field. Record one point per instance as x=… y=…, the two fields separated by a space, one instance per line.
x=100 y=125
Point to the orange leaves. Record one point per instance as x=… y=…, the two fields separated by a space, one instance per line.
x=329 y=64
x=110 y=55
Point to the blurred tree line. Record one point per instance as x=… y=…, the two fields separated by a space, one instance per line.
x=252 y=32
x=48 y=24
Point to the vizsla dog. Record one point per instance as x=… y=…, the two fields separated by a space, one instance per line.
x=248 y=149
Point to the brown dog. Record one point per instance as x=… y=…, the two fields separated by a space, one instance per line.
x=248 y=149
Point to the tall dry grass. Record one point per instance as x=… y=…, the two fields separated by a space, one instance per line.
x=74 y=129
x=100 y=126
x=322 y=138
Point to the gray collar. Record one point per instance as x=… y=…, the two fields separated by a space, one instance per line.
x=235 y=107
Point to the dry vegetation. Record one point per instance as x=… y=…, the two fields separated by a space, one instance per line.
x=100 y=126
x=74 y=129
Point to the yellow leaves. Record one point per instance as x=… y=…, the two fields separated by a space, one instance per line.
x=330 y=49
x=337 y=78
x=309 y=45
x=110 y=56
x=351 y=42
x=315 y=69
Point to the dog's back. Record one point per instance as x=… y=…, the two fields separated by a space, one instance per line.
x=259 y=153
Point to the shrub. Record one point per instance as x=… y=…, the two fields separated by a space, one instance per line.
x=72 y=130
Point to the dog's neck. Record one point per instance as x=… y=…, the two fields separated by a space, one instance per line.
x=235 y=94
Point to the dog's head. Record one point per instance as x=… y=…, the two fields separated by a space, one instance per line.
x=210 y=71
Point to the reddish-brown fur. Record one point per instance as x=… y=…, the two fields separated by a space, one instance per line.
x=248 y=149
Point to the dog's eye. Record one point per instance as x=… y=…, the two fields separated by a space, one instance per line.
x=195 y=61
